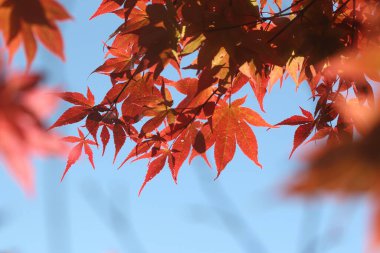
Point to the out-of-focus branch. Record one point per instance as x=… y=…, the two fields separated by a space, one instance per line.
x=232 y=218
x=116 y=219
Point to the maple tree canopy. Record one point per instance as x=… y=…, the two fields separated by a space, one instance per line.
x=330 y=45
x=235 y=43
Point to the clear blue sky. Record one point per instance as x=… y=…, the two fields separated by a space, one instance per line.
x=99 y=211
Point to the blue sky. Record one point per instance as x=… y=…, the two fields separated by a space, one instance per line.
x=99 y=211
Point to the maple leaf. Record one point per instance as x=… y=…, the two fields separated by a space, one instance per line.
x=76 y=151
x=22 y=21
x=229 y=124
x=306 y=125
x=154 y=168
x=181 y=148
x=82 y=108
x=71 y=115
x=23 y=108
x=77 y=98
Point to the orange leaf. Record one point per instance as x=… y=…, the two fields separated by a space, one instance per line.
x=225 y=143
x=253 y=117
x=246 y=140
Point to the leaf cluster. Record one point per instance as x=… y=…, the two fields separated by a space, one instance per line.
x=236 y=43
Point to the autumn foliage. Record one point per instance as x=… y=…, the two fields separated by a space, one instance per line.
x=330 y=45
x=24 y=106
x=236 y=43
x=25 y=103
x=22 y=21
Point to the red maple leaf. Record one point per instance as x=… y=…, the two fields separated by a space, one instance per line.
x=229 y=126
x=23 y=107
x=76 y=151
x=306 y=125
x=22 y=21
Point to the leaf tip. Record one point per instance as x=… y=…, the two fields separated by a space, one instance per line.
x=217 y=176
x=142 y=188
x=63 y=176
x=291 y=153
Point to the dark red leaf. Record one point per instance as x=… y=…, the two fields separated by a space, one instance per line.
x=92 y=124
x=105 y=137
x=119 y=137
x=301 y=135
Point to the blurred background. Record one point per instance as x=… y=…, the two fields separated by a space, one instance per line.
x=100 y=211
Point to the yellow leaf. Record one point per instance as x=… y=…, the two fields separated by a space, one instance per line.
x=293 y=67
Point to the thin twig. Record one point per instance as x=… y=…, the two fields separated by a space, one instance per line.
x=122 y=226
x=300 y=14
x=233 y=220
